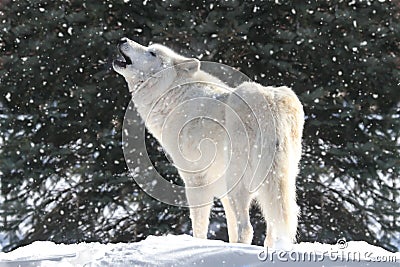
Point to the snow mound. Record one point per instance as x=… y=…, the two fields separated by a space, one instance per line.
x=188 y=251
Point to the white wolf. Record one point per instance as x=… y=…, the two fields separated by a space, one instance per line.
x=170 y=91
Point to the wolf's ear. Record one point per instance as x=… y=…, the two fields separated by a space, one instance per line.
x=189 y=65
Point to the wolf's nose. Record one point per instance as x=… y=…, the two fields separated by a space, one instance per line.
x=122 y=41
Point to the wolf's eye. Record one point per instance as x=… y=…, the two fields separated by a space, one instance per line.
x=152 y=53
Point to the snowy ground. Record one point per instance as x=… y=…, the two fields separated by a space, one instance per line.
x=188 y=251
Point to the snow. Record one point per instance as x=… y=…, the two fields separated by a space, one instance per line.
x=185 y=250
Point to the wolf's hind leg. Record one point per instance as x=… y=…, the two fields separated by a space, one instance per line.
x=278 y=203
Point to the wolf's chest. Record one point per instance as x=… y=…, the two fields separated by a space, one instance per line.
x=190 y=126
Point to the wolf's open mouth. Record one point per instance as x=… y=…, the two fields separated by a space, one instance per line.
x=124 y=61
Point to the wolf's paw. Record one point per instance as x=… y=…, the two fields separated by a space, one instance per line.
x=283 y=244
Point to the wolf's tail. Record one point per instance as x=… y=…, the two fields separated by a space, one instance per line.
x=290 y=131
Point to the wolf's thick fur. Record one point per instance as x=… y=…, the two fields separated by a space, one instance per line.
x=161 y=81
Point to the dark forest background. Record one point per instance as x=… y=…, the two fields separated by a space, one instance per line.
x=62 y=172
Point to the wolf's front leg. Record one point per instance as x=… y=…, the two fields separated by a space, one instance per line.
x=200 y=199
x=200 y=220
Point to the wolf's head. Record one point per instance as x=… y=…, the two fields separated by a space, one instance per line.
x=139 y=63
